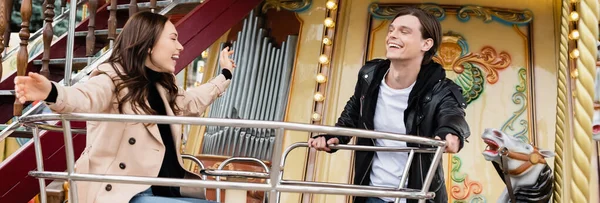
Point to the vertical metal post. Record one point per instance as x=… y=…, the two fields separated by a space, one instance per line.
x=70 y=159
x=39 y=160
x=405 y=172
x=70 y=42
x=434 y=164
x=276 y=167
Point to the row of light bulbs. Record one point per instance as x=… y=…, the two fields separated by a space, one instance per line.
x=324 y=60
x=574 y=34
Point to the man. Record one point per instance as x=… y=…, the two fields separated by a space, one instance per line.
x=408 y=87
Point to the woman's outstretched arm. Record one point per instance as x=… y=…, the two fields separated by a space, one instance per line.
x=195 y=101
x=93 y=96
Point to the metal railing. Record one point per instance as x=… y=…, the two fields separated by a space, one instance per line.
x=274 y=184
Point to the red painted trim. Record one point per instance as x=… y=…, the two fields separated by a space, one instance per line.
x=16 y=185
x=212 y=30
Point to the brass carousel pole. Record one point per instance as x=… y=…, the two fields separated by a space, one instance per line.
x=583 y=74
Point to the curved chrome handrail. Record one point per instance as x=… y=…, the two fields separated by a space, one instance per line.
x=274 y=182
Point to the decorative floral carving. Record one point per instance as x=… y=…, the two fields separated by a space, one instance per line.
x=519 y=98
x=510 y=17
x=388 y=12
x=290 y=5
x=462 y=192
x=464 y=13
x=453 y=56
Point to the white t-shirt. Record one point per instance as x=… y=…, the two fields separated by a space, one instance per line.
x=387 y=167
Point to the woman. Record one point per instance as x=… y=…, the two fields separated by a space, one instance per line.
x=137 y=79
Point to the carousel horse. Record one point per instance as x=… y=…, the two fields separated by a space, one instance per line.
x=521 y=166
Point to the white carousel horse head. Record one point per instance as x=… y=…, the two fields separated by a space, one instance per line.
x=520 y=163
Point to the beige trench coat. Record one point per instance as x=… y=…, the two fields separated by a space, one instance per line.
x=120 y=148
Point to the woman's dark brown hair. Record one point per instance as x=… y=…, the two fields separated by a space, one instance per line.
x=132 y=47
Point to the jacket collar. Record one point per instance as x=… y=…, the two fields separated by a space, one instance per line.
x=428 y=76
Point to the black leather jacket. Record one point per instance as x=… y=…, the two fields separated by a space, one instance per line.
x=435 y=108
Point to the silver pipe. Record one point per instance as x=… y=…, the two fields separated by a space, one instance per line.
x=432 y=168
x=247 y=61
x=232 y=122
x=404 y=177
x=272 y=89
x=260 y=79
x=258 y=63
x=39 y=160
x=251 y=80
x=229 y=185
x=70 y=43
x=70 y=158
x=265 y=96
x=246 y=174
x=236 y=82
x=277 y=85
x=271 y=144
x=288 y=64
x=277 y=169
x=340 y=185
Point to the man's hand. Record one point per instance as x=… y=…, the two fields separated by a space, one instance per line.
x=320 y=144
x=452 y=143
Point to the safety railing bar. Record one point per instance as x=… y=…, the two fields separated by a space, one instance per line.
x=54 y=128
x=226 y=185
x=310 y=183
x=404 y=177
x=68 y=136
x=383 y=149
x=358 y=148
x=276 y=160
x=230 y=173
x=15 y=125
x=235 y=123
x=432 y=169
x=39 y=161
x=195 y=160
x=244 y=159
x=355 y=192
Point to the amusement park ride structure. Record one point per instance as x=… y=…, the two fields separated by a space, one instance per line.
x=259 y=130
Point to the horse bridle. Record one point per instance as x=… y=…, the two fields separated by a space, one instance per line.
x=529 y=160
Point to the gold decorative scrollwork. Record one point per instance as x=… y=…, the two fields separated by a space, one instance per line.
x=290 y=5
x=489 y=14
x=388 y=12
x=487 y=59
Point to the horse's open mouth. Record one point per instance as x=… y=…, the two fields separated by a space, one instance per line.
x=492 y=146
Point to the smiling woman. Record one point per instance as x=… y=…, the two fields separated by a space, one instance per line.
x=136 y=79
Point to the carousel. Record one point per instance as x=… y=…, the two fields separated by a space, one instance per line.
x=528 y=70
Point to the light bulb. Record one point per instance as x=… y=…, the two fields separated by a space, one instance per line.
x=321 y=78
x=319 y=97
x=327 y=41
x=329 y=22
x=323 y=59
x=316 y=116
x=574 y=16
x=331 y=5
x=574 y=35
x=574 y=54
